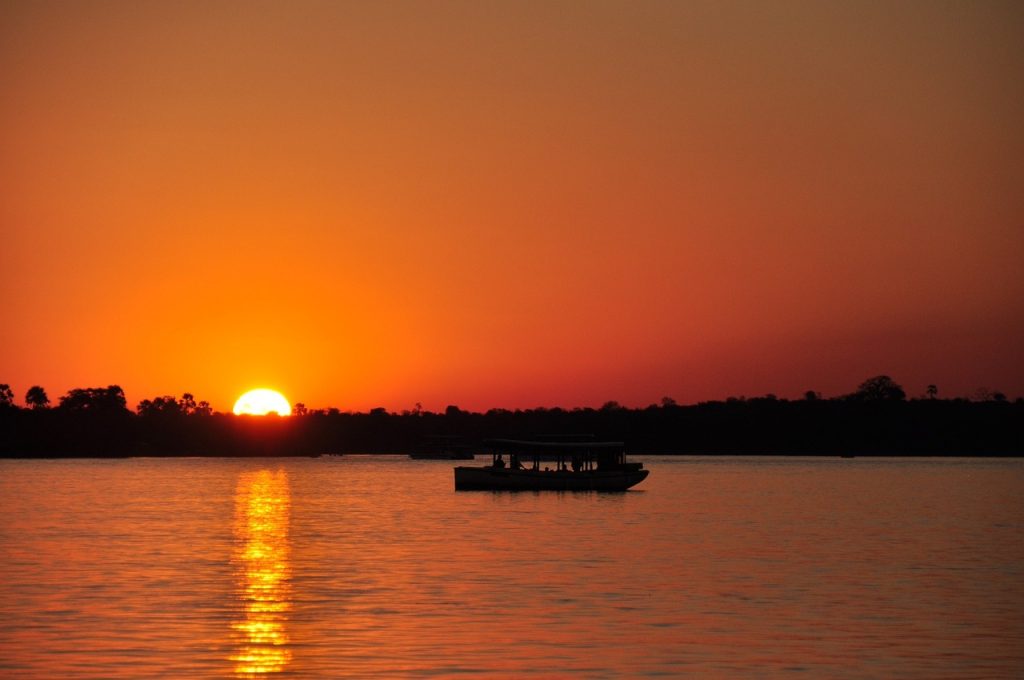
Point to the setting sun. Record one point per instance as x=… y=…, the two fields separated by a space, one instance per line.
x=261 y=402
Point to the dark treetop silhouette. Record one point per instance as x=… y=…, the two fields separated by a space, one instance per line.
x=875 y=419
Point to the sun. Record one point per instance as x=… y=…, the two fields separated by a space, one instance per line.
x=261 y=402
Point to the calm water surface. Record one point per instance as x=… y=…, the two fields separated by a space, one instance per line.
x=374 y=566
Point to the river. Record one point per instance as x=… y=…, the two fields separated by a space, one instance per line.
x=373 y=566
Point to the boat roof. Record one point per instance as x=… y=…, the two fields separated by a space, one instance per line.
x=520 y=445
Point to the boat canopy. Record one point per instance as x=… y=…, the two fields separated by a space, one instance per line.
x=524 y=446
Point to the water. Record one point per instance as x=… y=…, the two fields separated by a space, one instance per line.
x=362 y=567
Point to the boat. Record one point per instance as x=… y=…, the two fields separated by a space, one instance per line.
x=443 y=447
x=442 y=455
x=578 y=466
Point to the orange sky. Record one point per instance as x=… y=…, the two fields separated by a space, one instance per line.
x=511 y=204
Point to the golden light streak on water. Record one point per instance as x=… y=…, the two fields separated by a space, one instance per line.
x=263 y=571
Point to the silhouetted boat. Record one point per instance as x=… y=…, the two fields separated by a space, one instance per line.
x=443 y=447
x=579 y=466
x=442 y=455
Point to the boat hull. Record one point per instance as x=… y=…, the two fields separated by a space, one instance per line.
x=504 y=479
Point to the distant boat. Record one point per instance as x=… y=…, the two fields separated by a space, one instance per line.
x=443 y=447
x=442 y=455
x=578 y=466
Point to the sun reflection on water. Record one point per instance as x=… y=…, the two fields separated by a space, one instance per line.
x=263 y=571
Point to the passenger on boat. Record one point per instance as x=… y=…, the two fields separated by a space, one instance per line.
x=514 y=462
x=499 y=462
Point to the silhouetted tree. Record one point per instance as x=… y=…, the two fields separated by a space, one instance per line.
x=932 y=391
x=452 y=410
x=187 y=403
x=160 y=406
x=879 y=388
x=668 y=402
x=6 y=396
x=754 y=425
x=811 y=395
x=36 y=397
x=300 y=409
x=94 y=399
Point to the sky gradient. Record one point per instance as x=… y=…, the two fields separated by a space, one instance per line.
x=511 y=204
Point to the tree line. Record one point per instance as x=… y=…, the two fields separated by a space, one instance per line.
x=876 y=419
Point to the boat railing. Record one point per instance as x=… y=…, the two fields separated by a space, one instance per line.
x=573 y=456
